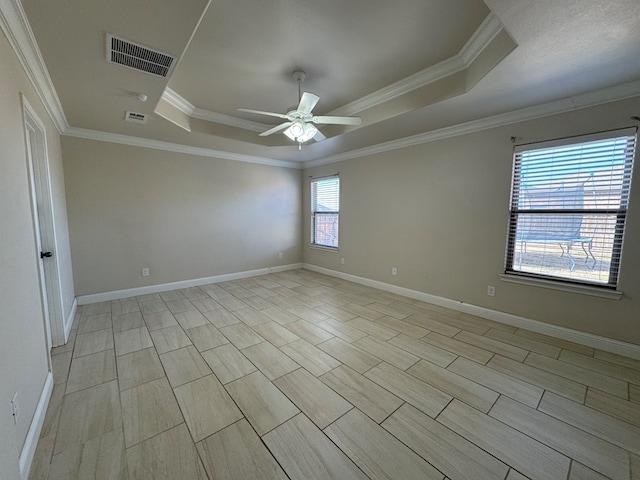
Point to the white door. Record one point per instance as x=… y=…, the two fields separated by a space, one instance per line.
x=42 y=204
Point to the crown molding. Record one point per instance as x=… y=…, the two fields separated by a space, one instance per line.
x=175 y=147
x=577 y=102
x=15 y=25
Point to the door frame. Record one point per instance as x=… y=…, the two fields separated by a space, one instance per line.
x=44 y=224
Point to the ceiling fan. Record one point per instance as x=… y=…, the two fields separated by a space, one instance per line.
x=300 y=122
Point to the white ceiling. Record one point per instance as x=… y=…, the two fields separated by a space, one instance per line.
x=407 y=67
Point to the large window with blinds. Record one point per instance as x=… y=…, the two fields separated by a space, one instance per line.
x=568 y=208
x=325 y=211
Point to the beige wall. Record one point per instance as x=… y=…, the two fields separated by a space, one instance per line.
x=23 y=352
x=438 y=212
x=184 y=217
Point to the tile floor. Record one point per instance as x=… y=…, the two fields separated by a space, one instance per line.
x=304 y=376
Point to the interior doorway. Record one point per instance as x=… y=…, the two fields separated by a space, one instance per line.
x=44 y=225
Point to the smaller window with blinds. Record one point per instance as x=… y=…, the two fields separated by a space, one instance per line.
x=325 y=211
x=569 y=206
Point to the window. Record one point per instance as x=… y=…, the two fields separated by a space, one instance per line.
x=325 y=211
x=568 y=208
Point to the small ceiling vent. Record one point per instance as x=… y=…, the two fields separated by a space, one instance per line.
x=132 y=55
x=135 y=117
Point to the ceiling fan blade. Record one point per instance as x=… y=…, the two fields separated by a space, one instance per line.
x=260 y=112
x=307 y=102
x=319 y=136
x=282 y=126
x=327 y=119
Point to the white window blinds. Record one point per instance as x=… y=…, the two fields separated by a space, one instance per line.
x=325 y=211
x=568 y=208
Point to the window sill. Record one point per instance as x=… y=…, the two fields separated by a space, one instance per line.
x=593 y=291
x=322 y=247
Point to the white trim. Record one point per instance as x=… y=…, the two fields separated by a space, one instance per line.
x=196 y=282
x=14 y=23
x=577 y=102
x=70 y=318
x=175 y=147
x=582 y=289
x=583 y=338
x=31 y=442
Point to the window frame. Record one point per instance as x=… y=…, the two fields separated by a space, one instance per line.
x=316 y=214
x=515 y=212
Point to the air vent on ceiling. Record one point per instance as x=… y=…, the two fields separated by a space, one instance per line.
x=135 y=117
x=132 y=55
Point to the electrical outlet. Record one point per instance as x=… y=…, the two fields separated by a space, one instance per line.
x=342 y=261
x=280 y=255
x=491 y=290
x=394 y=271
x=145 y=272
x=15 y=408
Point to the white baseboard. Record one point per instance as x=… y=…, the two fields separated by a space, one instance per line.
x=164 y=287
x=31 y=442
x=69 y=323
x=583 y=338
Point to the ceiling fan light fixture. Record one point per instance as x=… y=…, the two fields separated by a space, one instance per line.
x=301 y=132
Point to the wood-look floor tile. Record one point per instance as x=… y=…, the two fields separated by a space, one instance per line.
x=170 y=338
x=171 y=295
x=127 y=321
x=275 y=333
x=462 y=349
x=507 y=385
x=402 y=326
x=634 y=393
x=93 y=342
x=310 y=357
x=378 y=453
x=411 y=389
x=307 y=313
x=60 y=367
x=388 y=310
x=94 y=323
x=450 y=453
x=159 y=320
x=232 y=303
x=341 y=330
x=206 y=304
x=221 y=318
x=515 y=475
x=429 y=323
x=579 y=374
x=626 y=374
x=336 y=312
x=139 y=367
x=147 y=410
x=597 y=423
x=251 y=316
x=514 y=448
x=191 y=319
x=236 y=452
x=261 y=402
x=96 y=308
x=123 y=307
x=132 y=340
x=184 y=365
x=241 y=335
x=90 y=370
x=349 y=354
x=206 y=406
x=258 y=302
x=375 y=401
x=269 y=360
x=307 y=454
x=614 y=406
x=468 y=391
x=363 y=311
x=87 y=414
x=309 y=332
x=206 y=337
x=495 y=346
x=387 y=352
x=584 y=447
x=152 y=306
x=541 y=378
x=317 y=401
x=179 y=305
x=193 y=293
x=580 y=472
x=101 y=457
x=524 y=342
x=423 y=350
x=228 y=363
x=280 y=315
x=635 y=466
x=557 y=342
x=617 y=359
x=170 y=455
x=372 y=328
